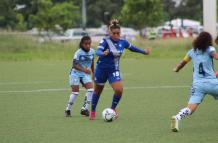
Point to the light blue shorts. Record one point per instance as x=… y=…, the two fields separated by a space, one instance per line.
x=200 y=89
x=75 y=79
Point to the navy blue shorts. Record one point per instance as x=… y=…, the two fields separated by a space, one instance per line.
x=102 y=75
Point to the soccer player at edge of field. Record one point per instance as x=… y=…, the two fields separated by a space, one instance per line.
x=109 y=52
x=216 y=41
x=82 y=71
x=204 y=78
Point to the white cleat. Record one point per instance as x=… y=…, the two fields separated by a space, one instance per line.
x=174 y=124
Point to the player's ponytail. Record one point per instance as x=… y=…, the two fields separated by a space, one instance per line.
x=114 y=24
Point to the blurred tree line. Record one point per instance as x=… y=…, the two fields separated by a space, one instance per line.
x=64 y=14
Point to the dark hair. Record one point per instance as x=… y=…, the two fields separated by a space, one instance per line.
x=203 y=41
x=114 y=24
x=84 y=38
x=216 y=40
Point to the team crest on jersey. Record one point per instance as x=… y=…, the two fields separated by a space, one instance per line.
x=102 y=41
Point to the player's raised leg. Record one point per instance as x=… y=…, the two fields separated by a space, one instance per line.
x=183 y=113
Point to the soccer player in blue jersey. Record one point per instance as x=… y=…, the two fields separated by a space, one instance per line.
x=82 y=71
x=204 y=78
x=109 y=52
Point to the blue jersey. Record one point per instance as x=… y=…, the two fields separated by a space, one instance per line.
x=116 y=48
x=83 y=59
x=203 y=67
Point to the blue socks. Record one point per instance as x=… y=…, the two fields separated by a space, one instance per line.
x=115 y=101
x=95 y=99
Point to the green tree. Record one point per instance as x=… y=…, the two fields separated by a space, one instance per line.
x=100 y=11
x=50 y=15
x=20 y=25
x=169 y=9
x=191 y=9
x=141 y=13
x=31 y=8
x=8 y=17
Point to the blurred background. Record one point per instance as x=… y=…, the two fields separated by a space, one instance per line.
x=63 y=20
x=37 y=26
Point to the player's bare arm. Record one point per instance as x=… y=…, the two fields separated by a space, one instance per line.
x=214 y=55
x=78 y=67
x=180 y=66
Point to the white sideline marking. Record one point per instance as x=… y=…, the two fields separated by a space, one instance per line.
x=66 y=89
x=30 y=82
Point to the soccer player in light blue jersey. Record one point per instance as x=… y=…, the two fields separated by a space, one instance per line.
x=107 y=68
x=204 y=78
x=82 y=71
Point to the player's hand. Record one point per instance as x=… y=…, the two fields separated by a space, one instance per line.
x=216 y=74
x=106 y=52
x=87 y=71
x=175 y=69
x=147 y=51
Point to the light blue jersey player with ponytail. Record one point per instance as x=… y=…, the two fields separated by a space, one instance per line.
x=82 y=72
x=204 y=78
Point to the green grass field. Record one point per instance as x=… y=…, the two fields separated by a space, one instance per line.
x=33 y=96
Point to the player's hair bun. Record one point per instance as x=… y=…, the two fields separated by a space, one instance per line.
x=114 y=22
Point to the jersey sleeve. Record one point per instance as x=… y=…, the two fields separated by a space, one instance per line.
x=101 y=47
x=127 y=45
x=76 y=56
x=133 y=48
x=211 y=50
x=102 y=44
x=93 y=53
x=188 y=56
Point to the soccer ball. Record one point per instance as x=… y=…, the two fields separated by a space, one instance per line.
x=108 y=115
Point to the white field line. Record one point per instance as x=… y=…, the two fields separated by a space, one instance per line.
x=23 y=83
x=66 y=89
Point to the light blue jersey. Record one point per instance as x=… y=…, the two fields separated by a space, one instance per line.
x=204 y=78
x=203 y=67
x=83 y=59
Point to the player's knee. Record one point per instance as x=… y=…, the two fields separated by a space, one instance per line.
x=71 y=103
x=98 y=91
x=119 y=91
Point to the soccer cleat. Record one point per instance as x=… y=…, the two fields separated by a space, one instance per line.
x=92 y=116
x=84 y=112
x=117 y=115
x=67 y=113
x=174 y=124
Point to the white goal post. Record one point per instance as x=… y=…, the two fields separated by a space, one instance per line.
x=209 y=16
